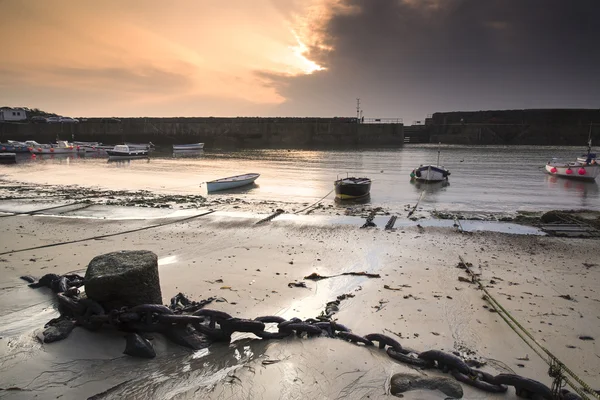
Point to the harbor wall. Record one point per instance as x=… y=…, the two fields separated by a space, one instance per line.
x=215 y=132
x=511 y=127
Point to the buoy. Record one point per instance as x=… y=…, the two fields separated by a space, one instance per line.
x=569 y=171
x=78 y=147
x=51 y=150
x=39 y=149
x=581 y=171
x=412 y=174
x=33 y=156
x=553 y=170
x=3 y=148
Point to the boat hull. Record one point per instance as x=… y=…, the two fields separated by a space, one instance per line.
x=430 y=173
x=8 y=158
x=11 y=148
x=194 y=146
x=231 y=182
x=345 y=190
x=57 y=150
x=121 y=155
x=577 y=171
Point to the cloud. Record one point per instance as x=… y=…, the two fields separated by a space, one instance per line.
x=409 y=58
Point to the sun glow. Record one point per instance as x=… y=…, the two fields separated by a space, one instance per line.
x=300 y=50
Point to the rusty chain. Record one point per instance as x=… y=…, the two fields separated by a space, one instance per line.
x=218 y=326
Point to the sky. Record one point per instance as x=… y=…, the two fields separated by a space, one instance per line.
x=402 y=58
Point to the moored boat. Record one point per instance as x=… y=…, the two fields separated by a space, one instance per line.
x=430 y=173
x=231 y=182
x=8 y=158
x=352 y=188
x=14 y=147
x=585 y=167
x=192 y=146
x=61 y=147
x=122 y=151
x=140 y=146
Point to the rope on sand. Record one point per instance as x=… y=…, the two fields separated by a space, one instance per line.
x=556 y=366
x=108 y=235
x=315 y=203
x=416 y=205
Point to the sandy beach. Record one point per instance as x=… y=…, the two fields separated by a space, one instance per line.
x=418 y=299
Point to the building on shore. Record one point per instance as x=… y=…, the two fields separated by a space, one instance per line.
x=12 y=114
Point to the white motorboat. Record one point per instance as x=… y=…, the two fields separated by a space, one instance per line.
x=585 y=167
x=61 y=147
x=140 y=146
x=231 y=182
x=122 y=151
x=192 y=146
x=430 y=173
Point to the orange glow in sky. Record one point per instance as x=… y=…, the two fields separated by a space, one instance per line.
x=150 y=57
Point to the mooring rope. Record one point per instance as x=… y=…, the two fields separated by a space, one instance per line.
x=553 y=362
x=316 y=202
x=416 y=205
x=108 y=235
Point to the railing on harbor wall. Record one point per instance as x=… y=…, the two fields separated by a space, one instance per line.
x=381 y=120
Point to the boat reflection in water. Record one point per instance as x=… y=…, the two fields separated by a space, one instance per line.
x=187 y=153
x=349 y=202
x=125 y=162
x=573 y=187
x=429 y=187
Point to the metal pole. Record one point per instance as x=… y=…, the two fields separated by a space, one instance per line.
x=438 y=161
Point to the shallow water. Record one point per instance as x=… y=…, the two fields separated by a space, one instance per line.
x=483 y=178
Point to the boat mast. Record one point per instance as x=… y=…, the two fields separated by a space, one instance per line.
x=590 y=141
x=439 y=146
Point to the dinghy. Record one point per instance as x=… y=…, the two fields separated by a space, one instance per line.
x=231 y=182
x=192 y=146
x=121 y=151
x=352 y=188
x=430 y=173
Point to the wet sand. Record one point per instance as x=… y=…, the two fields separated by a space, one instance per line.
x=432 y=309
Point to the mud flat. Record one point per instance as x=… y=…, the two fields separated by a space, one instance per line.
x=549 y=284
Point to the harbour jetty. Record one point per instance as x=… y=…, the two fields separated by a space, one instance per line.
x=218 y=132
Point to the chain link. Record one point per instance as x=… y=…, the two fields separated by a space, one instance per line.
x=217 y=326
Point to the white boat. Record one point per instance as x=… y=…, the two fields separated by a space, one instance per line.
x=122 y=151
x=140 y=146
x=430 y=173
x=585 y=167
x=192 y=146
x=61 y=147
x=231 y=182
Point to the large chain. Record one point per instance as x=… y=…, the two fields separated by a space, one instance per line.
x=217 y=326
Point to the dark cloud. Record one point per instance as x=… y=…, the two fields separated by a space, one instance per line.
x=408 y=59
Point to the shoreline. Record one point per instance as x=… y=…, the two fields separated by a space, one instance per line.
x=431 y=309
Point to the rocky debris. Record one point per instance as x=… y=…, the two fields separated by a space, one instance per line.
x=585 y=337
x=137 y=346
x=401 y=383
x=57 y=330
x=316 y=277
x=297 y=284
x=123 y=279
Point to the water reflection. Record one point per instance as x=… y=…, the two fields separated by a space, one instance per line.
x=125 y=162
x=348 y=202
x=579 y=188
x=429 y=187
x=187 y=153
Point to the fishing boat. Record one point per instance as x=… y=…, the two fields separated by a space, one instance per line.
x=61 y=147
x=430 y=173
x=140 y=146
x=231 y=182
x=192 y=146
x=14 y=147
x=122 y=151
x=585 y=167
x=352 y=188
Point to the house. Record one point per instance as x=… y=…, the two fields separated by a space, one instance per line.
x=12 y=114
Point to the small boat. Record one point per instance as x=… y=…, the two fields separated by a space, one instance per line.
x=14 y=147
x=352 y=188
x=585 y=167
x=430 y=173
x=122 y=151
x=231 y=182
x=192 y=146
x=140 y=146
x=61 y=147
